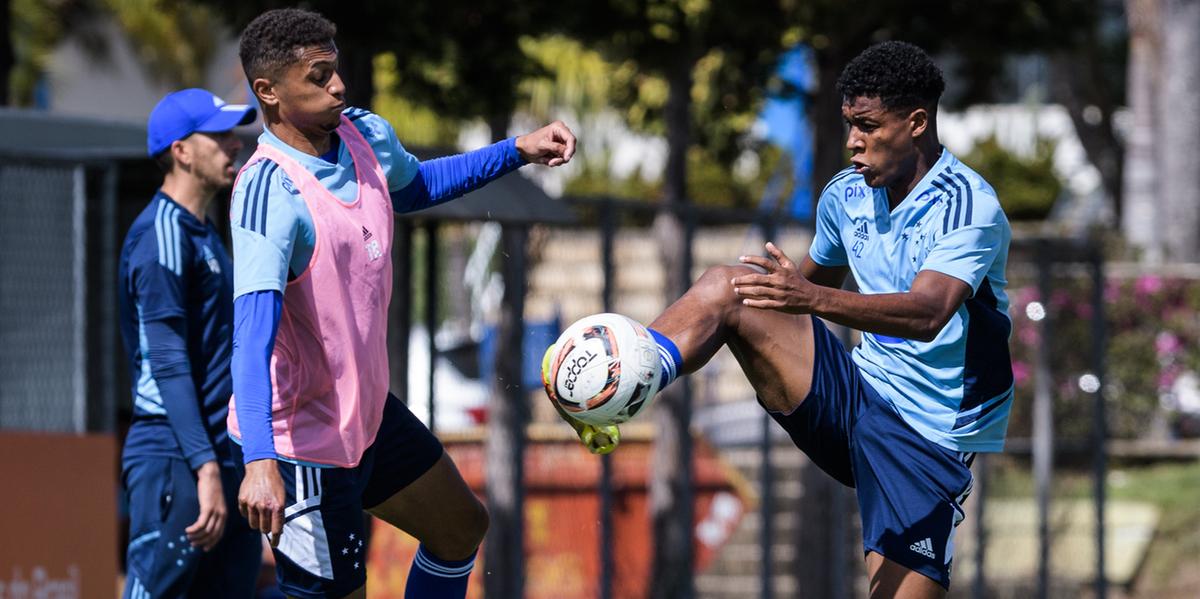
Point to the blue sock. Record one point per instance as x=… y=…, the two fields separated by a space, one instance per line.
x=668 y=356
x=432 y=577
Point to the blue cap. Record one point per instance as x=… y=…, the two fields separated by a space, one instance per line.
x=189 y=111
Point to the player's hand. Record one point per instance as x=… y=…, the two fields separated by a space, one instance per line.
x=781 y=288
x=552 y=145
x=206 y=531
x=261 y=499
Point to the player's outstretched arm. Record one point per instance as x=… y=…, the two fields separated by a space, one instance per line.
x=444 y=179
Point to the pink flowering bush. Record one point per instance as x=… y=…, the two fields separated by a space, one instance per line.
x=1153 y=329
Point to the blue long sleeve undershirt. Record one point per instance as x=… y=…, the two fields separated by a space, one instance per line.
x=256 y=314
x=167 y=352
x=255 y=323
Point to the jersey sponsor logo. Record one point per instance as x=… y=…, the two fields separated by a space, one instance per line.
x=924 y=547
x=854 y=192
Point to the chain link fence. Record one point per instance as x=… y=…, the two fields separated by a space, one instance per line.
x=57 y=298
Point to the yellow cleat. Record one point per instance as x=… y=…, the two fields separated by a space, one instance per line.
x=599 y=440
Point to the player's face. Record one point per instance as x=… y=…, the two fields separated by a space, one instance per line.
x=310 y=91
x=211 y=156
x=882 y=142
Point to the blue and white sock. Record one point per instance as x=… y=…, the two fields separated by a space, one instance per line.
x=432 y=577
x=668 y=356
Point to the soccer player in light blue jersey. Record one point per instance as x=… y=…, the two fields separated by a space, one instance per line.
x=901 y=416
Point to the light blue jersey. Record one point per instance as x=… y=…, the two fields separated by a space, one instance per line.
x=957 y=389
x=272 y=228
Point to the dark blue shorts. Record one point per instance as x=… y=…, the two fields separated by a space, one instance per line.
x=323 y=549
x=910 y=490
x=161 y=562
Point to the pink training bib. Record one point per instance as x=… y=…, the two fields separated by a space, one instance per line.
x=329 y=367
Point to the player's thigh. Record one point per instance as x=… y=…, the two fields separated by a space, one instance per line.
x=415 y=486
x=775 y=351
x=890 y=580
x=162 y=504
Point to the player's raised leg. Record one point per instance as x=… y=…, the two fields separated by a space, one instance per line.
x=774 y=349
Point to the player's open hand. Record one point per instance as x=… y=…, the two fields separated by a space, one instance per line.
x=206 y=531
x=781 y=288
x=552 y=145
x=261 y=499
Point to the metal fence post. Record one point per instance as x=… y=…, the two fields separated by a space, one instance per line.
x=431 y=300
x=1100 y=426
x=1043 y=422
x=607 y=233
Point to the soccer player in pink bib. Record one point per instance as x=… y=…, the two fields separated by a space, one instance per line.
x=320 y=437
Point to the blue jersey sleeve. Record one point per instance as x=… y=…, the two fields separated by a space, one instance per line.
x=255 y=322
x=158 y=272
x=265 y=224
x=967 y=253
x=827 y=248
x=398 y=164
x=447 y=178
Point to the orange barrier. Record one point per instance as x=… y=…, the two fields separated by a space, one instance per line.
x=58 y=515
x=562 y=534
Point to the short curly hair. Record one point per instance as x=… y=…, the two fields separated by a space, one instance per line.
x=272 y=41
x=900 y=74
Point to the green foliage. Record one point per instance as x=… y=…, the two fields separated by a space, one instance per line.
x=710 y=182
x=416 y=126
x=37 y=27
x=1027 y=187
x=174 y=40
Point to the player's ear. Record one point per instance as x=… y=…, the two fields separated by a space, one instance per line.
x=181 y=154
x=264 y=89
x=918 y=121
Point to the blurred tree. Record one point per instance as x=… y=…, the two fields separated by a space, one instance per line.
x=979 y=36
x=1027 y=187
x=174 y=40
x=1087 y=76
x=1162 y=184
x=6 y=50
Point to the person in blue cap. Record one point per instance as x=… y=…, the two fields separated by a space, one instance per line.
x=176 y=303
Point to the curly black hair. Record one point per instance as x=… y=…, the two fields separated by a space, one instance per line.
x=900 y=74
x=271 y=42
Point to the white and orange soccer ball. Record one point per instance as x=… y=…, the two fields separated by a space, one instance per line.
x=603 y=369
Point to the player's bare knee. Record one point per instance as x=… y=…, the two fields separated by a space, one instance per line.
x=465 y=538
x=714 y=287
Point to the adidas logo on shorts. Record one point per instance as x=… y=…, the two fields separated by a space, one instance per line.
x=923 y=547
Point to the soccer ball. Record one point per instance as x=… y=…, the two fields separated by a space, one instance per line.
x=603 y=369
